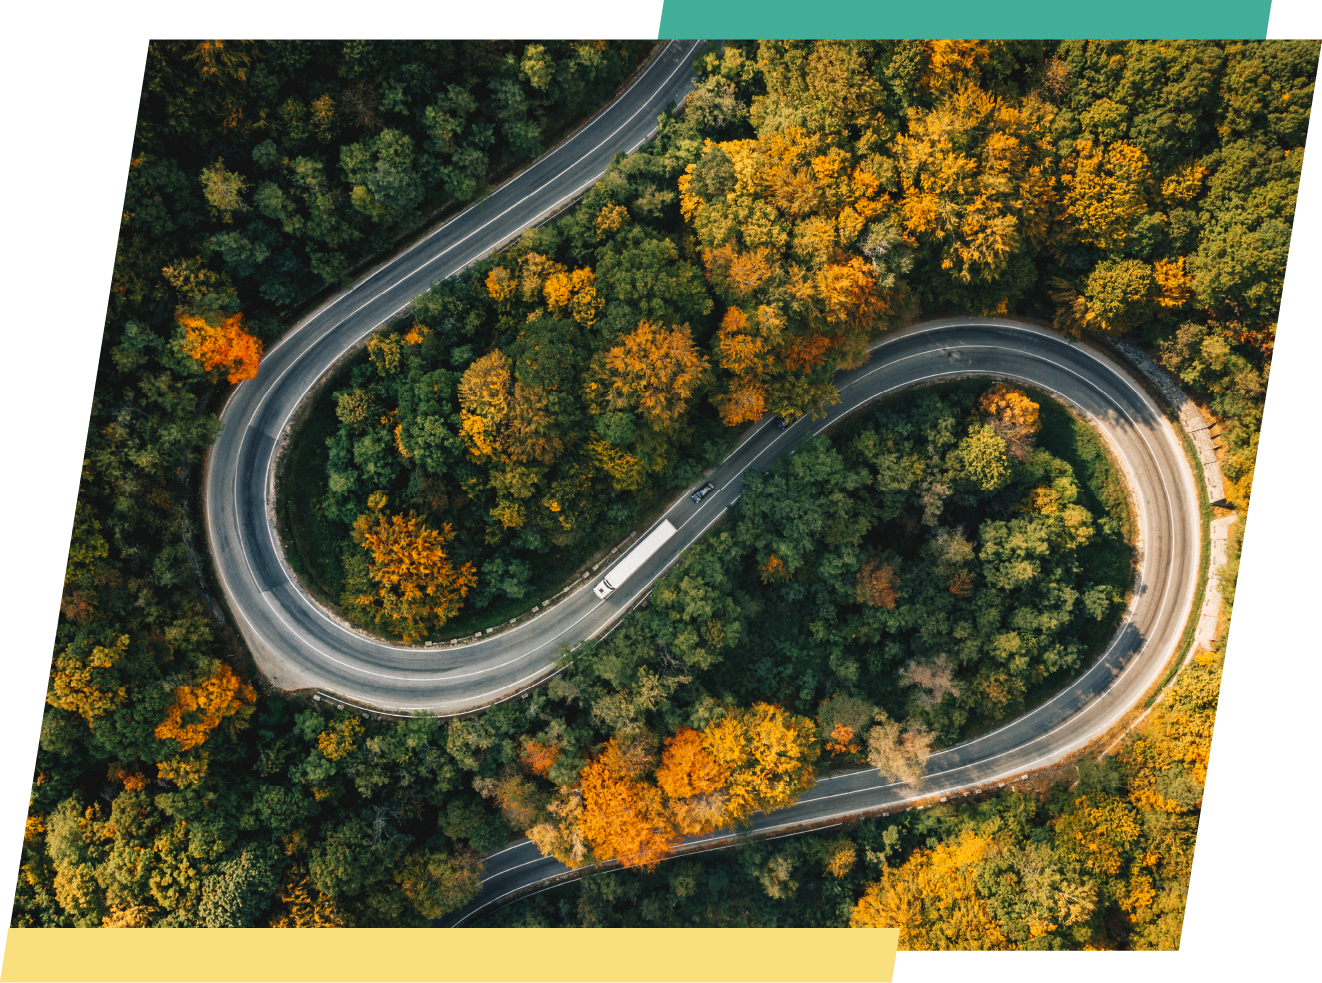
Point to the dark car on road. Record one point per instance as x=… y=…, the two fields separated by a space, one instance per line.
x=782 y=423
x=701 y=493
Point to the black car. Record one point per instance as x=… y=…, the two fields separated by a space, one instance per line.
x=782 y=423
x=701 y=493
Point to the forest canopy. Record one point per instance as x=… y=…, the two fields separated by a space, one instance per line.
x=1093 y=862
x=938 y=564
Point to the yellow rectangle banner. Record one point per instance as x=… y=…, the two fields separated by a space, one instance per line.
x=757 y=955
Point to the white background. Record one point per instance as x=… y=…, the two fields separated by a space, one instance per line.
x=73 y=74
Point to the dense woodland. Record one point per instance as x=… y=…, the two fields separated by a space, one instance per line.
x=922 y=571
x=1099 y=863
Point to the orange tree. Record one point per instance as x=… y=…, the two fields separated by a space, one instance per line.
x=624 y=816
x=201 y=708
x=783 y=221
x=654 y=371
x=418 y=588
x=221 y=343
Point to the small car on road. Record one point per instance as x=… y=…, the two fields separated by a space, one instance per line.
x=702 y=492
x=782 y=423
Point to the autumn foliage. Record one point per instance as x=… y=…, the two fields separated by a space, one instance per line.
x=341 y=738
x=780 y=245
x=878 y=585
x=221 y=345
x=769 y=753
x=842 y=740
x=655 y=371
x=627 y=807
x=1104 y=191
x=1098 y=831
x=1009 y=407
x=1013 y=417
x=553 y=396
x=773 y=570
x=538 y=757
x=302 y=905
x=502 y=419
x=694 y=782
x=934 y=900
x=418 y=588
x=1168 y=757
x=624 y=814
x=201 y=708
x=1100 y=864
x=977 y=182
x=83 y=681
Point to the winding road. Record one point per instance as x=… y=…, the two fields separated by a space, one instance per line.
x=298 y=645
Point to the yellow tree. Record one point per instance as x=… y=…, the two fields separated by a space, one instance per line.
x=302 y=905
x=386 y=352
x=1012 y=415
x=575 y=293
x=341 y=738
x=953 y=63
x=529 y=434
x=1104 y=191
x=534 y=271
x=484 y=392
x=841 y=858
x=782 y=247
x=418 y=587
x=933 y=899
x=502 y=418
x=769 y=755
x=538 y=756
x=654 y=371
x=694 y=783
x=759 y=758
x=84 y=681
x=625 y=469
x=1098 y=831
x=1167 y=760
x=742 y=347
x=975 y=175
x=1174 y=283
x=501 y=286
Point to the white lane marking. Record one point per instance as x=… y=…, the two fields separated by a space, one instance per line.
x=298 y=330
x=1092 y=357
x=1161 y=481
x=1106 y=397
x=274 y=385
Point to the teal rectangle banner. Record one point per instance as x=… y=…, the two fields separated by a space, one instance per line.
x=964 y=19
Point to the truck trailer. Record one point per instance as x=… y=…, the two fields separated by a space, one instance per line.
x=635 y=558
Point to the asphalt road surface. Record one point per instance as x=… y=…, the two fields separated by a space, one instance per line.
x=1168 y=506
x=298 y=645
x=295 y=643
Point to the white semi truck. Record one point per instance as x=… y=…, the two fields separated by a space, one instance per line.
x=635 y=558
